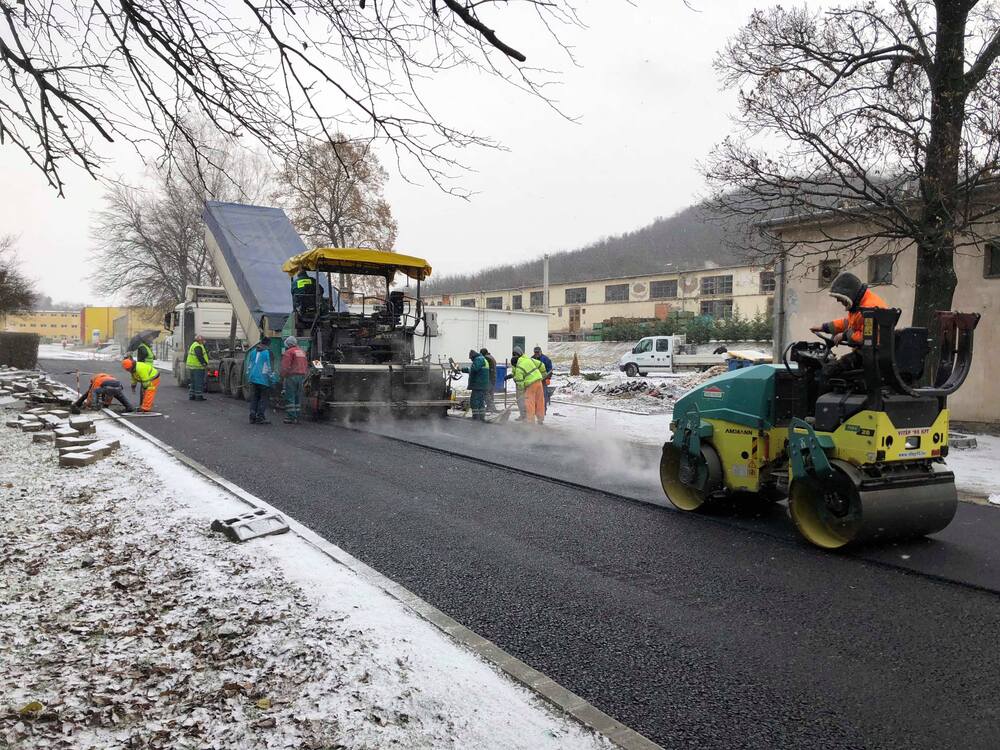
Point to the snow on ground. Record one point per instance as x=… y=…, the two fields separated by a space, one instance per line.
x=106 y=353
x=977 y=470
x=127 y=624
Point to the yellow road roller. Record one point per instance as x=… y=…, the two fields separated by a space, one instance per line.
x=859 y=456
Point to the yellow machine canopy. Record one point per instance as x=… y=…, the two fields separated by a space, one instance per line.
x=358 y=260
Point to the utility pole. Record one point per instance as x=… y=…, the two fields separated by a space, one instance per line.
x=545 y=283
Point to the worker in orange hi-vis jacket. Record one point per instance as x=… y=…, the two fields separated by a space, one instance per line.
x=147 y=378
x=855 y=296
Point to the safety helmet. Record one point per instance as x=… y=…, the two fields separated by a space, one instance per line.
x=128 y=364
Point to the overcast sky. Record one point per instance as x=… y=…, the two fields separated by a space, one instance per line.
x=648 y=107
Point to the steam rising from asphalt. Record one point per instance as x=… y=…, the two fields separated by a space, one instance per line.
x=602 y=455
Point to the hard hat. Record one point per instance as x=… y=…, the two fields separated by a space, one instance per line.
x=128 y=363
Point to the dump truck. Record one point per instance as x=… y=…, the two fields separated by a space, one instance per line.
x=362 y=361
x=205 y=311
x=860 y=456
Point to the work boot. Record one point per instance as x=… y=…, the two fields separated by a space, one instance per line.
x=200 y=398
x=190 y=398
x=253 y=419
x=288 y=420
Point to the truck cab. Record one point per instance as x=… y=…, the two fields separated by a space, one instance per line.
x=650 y=353
x=205 y=310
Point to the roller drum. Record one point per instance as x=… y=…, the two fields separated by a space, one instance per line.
x=851 y=507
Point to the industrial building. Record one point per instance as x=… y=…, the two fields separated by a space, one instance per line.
x=892 y=271
x=49 y=324
x=575 y=307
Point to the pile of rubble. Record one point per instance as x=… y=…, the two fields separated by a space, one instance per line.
x=633 y=388
x=75 y=438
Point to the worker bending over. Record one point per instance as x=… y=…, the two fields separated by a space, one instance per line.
x=197 y=361
x=147 y=378
x=529 y=374
x=855 y=296
x=103 y=387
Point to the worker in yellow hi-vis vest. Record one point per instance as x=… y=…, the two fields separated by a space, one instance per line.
x=147 y=378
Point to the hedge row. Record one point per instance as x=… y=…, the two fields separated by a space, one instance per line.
x=698 y=330
x=19 y=349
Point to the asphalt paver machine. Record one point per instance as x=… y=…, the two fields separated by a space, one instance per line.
x=362 y=355
x=860 y=456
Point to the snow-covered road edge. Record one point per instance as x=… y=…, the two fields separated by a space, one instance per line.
x=536 y=682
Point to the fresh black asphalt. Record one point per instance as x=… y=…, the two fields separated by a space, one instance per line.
x=695 y=633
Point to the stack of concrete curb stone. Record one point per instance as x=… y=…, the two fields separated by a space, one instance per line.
x=33 y=386
x=74 y=437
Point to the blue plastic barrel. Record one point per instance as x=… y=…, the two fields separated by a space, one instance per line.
x=501 y=375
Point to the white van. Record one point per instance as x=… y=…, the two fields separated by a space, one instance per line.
x=664 y=354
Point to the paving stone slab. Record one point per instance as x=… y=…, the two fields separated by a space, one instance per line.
x=83 y=425
x=74 y=442
x=103 y=447
x=66 y=432
x=44 y=437
x=251 y=525
x=31 y=426
x=78 y=459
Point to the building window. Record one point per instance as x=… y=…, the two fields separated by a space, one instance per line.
x=515 y=302
x=493 y=330
x=517 y=342
x=616 y=293
x=576 y=295
x=537 y=300
x=468 y=303
x=663 y=289
x=717 y=308
x=880 y=269
x=991 y=269
x=717 y=285
x=767 y=282
x=828 y=270
x=494 y=303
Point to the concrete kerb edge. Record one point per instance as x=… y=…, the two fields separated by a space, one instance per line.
x=535 y=681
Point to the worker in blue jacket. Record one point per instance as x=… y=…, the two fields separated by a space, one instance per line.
x=479 y=384
x=261 y=375
x=547 y=383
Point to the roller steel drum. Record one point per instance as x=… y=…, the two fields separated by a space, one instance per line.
x=852 y=507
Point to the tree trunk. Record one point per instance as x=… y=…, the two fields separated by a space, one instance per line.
x=935 y=276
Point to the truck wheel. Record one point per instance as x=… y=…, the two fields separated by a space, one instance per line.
x=235 y=380
x=631 y=369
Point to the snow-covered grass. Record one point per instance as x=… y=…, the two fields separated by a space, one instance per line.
x=107 y=353
x=126 y=623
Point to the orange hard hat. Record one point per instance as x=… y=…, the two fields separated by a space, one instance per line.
x=128 y=364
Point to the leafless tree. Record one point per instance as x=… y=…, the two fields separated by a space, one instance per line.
x=333 y=192
x=884 y=114
x=77 y=76
x=16 y=291
x=150 y=241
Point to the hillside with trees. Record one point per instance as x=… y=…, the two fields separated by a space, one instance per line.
x=689 y=239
